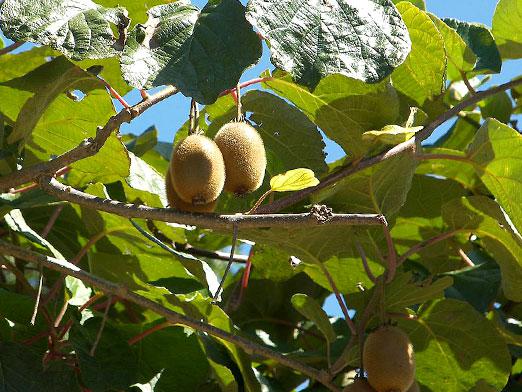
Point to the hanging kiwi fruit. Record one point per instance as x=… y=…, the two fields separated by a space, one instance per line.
x=176 y=202
x=243 y=152
x=389 y=360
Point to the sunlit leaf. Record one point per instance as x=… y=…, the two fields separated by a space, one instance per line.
x=293 y=180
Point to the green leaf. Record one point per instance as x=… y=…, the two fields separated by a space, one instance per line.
x=402 y=292
x=114 y=365
x=349 y=273
x=79 y=30
x=343 y=108
x=461 y=132
x=456 y=348
x=48 y=82
x=498 y=106
x=391 y=134
x=309 y=308
x=496 y=154
x=419 y=220
x=480 y=40
x=460 y=56
x=422 y=75
x=22 y=370
x=293 y=180
x=365 y=40
x=137 y=10
x=476 y=285
x=507 y=30
x=380 y=189
x=18 y=308
x=421 y=4
x=13 y=66
x=201 y=53
x=158 y=356
x=482 y=216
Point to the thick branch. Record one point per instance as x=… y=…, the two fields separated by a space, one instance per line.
x=210 y=221
x=87 y=148
x=428 y=129
x=111 y=288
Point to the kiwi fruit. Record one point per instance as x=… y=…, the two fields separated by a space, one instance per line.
x=244 y=154
x=388 y=360
x=414 y=387
x=359 y=385
x=197 y=170
x=176 y=202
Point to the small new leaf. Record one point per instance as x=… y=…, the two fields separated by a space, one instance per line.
x=293 y=180
x=391 y=134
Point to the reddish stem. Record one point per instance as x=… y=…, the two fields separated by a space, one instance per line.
x=245 y=84
x=233 y=93
x=147 y=332
x=27 y=188
x=144 y=95
x=115 y=94
x=246 y=275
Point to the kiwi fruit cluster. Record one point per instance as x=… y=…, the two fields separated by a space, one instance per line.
x=200 y=168
x=389 y=361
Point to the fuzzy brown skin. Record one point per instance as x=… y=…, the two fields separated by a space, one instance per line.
x=244 y=154
x=359 y=385
x=388 y=360
x=197 y=170
x=178 y=204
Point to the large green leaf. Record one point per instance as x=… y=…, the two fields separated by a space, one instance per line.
x=201 y=53
x=158 y=356
x=507 y=28
x=78 y=29
x=12 y=66
x=420 y=220
x=421 y=4
x=365 y=40
x=22 y=370
x=422 y=75
x=496 y=154
x=461 y=132
x=498 y=106
x=480 y=40
x=461 y=58
x=137 y=10
x=343 y=108
x=456 y=348
x=482 y=216
x=48 y=81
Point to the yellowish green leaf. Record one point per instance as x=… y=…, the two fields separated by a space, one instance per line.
x=293 y=180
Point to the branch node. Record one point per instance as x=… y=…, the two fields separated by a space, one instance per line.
x=322 y=213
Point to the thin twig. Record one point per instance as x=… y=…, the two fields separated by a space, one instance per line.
x=170 y=315
x=259 y=201
x=465 y=258
x=346 y=171
x=102 y=327
x=367 y=268
x=391 y=258
x=147 y=332
x=52 y=220
x=245 y=84
x=211 y=221
x=425 y=244
x=425 y=157
x=467 y=83
x=340 y=301
x=227 y=269
x=38 y=295
x=216 y=254
x=11 y=47
x=87 y=148
x=34 y=185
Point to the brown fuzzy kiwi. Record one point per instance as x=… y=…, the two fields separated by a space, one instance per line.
x=244 y=154
x=197 y=170
x=414 y=387
x=359 y=385
x=388 y=360
x=176 y=202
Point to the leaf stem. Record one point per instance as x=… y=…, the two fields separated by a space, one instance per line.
x=147 y=332
x=425 y=244
x=11 y=47
x=230 y=261
x=259 y=201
